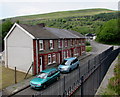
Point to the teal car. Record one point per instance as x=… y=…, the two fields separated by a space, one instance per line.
x=45 y=78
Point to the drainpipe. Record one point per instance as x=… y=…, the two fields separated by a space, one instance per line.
x=37 y=56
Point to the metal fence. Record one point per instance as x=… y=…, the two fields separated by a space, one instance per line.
x=86 y=79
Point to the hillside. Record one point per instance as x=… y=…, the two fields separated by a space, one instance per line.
x=62 y=14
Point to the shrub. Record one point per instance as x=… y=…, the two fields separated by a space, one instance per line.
x=87 y=43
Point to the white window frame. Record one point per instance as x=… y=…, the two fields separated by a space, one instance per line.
x=41 y=43
x=54 y=58
x=75 y=51
x=59 y=43
x=41 y=63
x=79 y=41
x=66 y=43
x=65 y=54
x=49 y=61
x=51 y=44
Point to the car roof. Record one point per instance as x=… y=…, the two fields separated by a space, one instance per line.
x=49 y=70
x=71 y=58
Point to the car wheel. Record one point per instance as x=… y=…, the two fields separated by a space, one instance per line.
x=77 y=66
x=70 y=70
x=44 y=86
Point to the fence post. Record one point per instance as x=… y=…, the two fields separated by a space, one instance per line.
x=15 y=76
x=64 y=83
x=88 y=66
x=79 y=72
x=82 y=78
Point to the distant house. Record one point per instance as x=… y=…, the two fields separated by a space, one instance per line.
x=90 y=36
x=41 y=46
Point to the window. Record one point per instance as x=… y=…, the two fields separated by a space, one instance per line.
x=66 y=43
x=75 y=42
x=59 y=43
x=65 y=54
x=75 y=51
x=71 y=42
x=40 y=44
x=51 y=44
x=75 y=61
x=54 y=58
x=49 y=59
x=80 y=42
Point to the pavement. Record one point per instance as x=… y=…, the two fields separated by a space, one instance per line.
x=109 y=74
x=13 y=89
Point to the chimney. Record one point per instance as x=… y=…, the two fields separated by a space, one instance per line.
x=41 y=25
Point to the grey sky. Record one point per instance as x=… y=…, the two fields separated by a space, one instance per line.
x=19 y=8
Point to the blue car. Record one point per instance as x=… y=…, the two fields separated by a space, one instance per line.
x=68 y=65
x=45 y=78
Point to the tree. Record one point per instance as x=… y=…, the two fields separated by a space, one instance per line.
x=109 y=32
x=6 y=27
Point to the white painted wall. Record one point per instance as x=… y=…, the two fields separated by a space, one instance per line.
x=19 y=50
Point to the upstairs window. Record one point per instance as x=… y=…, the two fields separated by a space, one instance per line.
x=51 y=44
x=59 y=43
x=80 y=42
x=75 y=41
x=71 y=42
x=40 y=45
x=66 y=43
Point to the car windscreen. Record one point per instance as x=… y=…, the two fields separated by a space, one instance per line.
x=66 y=62
x=42 y=75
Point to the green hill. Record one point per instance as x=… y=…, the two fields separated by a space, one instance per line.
x=62 y=14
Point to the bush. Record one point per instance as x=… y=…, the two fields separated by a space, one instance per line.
x=87 y=43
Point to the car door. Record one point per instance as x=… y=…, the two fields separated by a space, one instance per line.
x=54 y=75
x=76 y=62
x=72 y=65
x=51 y=76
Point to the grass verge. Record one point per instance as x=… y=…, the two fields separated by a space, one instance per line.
x=113 y=87
x=8 y=77
x=88 y=48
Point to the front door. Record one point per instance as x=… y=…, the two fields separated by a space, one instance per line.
x=41 y=63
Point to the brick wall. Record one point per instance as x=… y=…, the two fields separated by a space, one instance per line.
x=74 y=47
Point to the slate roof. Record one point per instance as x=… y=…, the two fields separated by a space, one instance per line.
x=50 y=33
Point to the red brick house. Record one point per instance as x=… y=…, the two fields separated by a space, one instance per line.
x=43 y=47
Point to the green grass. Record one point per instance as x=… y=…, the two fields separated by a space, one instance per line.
x=62 y=14
x=88 y=48
x=8 y=77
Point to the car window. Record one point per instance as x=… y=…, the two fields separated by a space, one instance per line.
x=42 y=75
x=66 y=62
x=75 y=61
x=53 y=72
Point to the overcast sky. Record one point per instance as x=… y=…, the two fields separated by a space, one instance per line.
x=12 y=8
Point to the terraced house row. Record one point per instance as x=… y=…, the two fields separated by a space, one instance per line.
x=41 y=46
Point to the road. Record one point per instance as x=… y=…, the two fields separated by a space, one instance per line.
x=57 y=87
